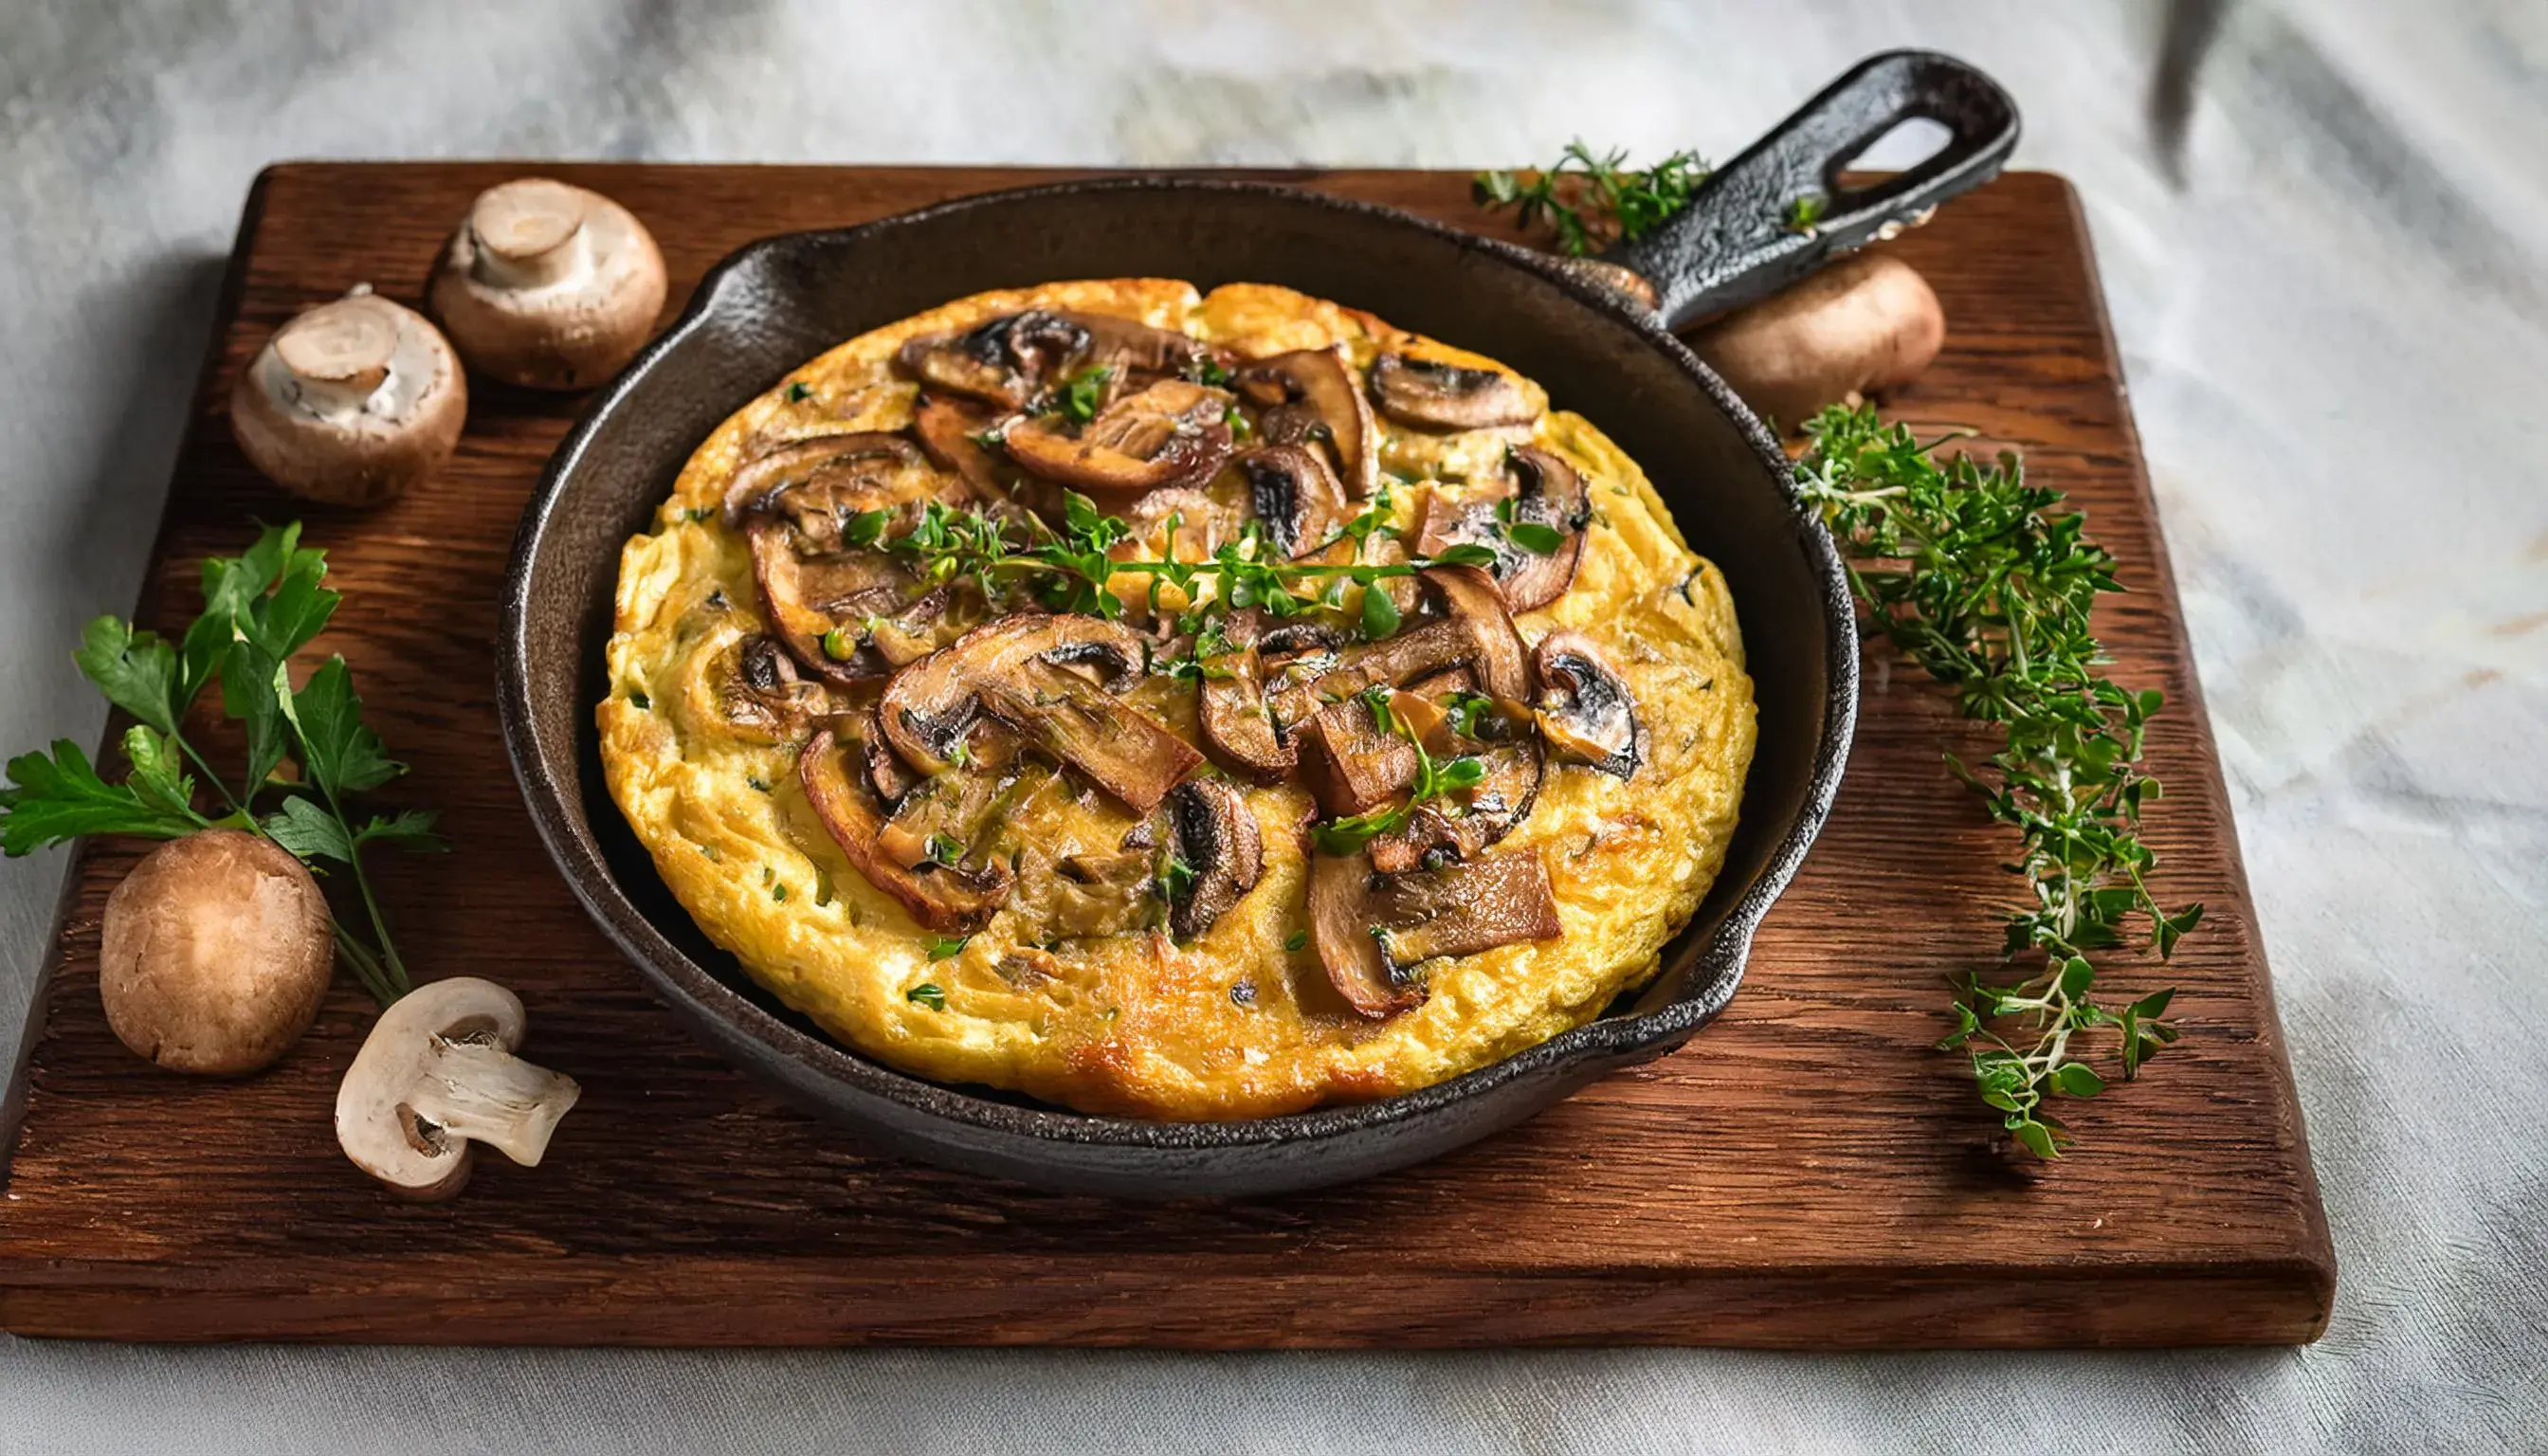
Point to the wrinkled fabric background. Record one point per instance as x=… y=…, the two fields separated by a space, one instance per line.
x=2321 y=225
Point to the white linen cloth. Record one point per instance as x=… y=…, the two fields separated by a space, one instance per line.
x=2321 y=225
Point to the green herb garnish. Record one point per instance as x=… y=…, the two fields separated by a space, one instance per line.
x=1081 y=395
x=945 y=850
x=1296 y=940
x=1967 y=572
x=1537 y=539
x=1433 y=781
x=1586 y=199
x=1805 y=211
x=799 y=392
x=259 y=608
x=838 y=645
x=929 y=993
x=945 y=948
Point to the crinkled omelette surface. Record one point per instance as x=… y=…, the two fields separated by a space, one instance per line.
x=1242 y=1022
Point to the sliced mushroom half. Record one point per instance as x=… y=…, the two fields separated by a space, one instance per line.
x=1586 y=710
x=1372 y=930
x=1353 y=765
x=1055 y=679
x=1540 y=496
x=1446 y=831
x=437 y=1076
x=1473 y=630
x=1236 y=728
x=949 y=899
x=1173 y=433
x=849 y=616
x=1213 y=836
x=1308 y=396
x=1295 y=495
x=1433 y=394
x=819 y=479
x=949 y=431
x=1008 y=361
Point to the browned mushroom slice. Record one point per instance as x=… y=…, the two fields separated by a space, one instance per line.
x=1213 y=837
x=820 y=606
x=1545 y=501
x=887 y=777
x=950 y=901
x=1055 y=679
x=1237 y=729
x=1474 y=630
x=1463 y=909
x=1295 y=495
x=1137 y=352
x=1008 y=361
x=765 y=698
x=1340 y=930
x=1309 y=394
x=1372 y=928
x=1173 y=433
x=821 y=477
x=1430 y=394
x=948 y=431
x=1352 y=765
x=1446 y=831
x=1586 y=713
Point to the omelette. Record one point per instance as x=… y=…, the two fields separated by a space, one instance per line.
x=1172 y=704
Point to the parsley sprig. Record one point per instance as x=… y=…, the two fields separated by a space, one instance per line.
x=259 y=608
x=1975 y=575
x=1586 y=200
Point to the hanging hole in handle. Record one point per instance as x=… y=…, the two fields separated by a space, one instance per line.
x=1901 y=147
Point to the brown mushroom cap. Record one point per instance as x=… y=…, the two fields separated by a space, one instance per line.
x=1171 y=434
x=1295 y=495
x=1238 y=730
x=548 y=284
x=1032 y=673
x=1865 y=324
x=1435 y=394
x=351 y=401
x=1008 y=361
x=1308 y=396
x=214 y=953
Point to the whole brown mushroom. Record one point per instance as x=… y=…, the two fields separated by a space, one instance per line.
x=350 y=403
x=1862 y=325
x=214 y=953
x=548 y=284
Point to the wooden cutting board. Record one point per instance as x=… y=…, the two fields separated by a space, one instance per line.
x=1807 y=1172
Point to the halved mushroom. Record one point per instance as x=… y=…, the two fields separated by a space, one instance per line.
x=548 y=284
x=350 y=403
x=1309 y=395
x=1372 y=930
x=818 y=479
x=1008 y=361
x=1137 y=352
x=1586 y=710
x=1055 y=679
x=1213 y=836
x=1544 y=493
x=1237 y=729
x=1173 y=433
x=1295 y=495
x=949 y=899
x=1431 y=394
x=1474 y=630
x=762 y=695
x=435 y=1077
x=850 y=617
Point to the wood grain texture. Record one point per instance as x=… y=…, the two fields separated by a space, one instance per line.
x=1806 y=1173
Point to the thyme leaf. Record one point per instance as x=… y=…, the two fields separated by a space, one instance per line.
x=1588 y=200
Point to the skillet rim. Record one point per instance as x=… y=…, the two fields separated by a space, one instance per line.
x=1605 y=1044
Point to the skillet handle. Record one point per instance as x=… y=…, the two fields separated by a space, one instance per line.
x=1733 y=244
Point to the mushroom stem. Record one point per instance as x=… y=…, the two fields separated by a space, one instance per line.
x=530 y=234
x=479 y=1091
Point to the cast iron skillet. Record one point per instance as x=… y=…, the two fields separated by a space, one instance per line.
x=779 y=301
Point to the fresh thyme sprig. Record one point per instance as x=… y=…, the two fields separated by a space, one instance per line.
x=1073 y=570
x=1588 y=200
x=259 y=608
x=1968 y=573
x=1434 y=779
